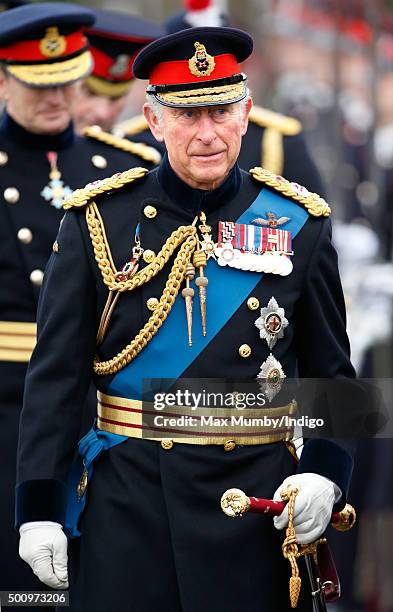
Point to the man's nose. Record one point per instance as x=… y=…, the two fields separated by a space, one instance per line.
x=206 y=129
x=55 y=95
x=102 y=109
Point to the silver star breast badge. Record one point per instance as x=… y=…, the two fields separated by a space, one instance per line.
x=272 y=376
x=271 y=323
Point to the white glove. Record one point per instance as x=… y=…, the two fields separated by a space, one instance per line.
x=43 y=545
x=313 y=505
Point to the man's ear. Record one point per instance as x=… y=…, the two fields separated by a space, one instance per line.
x=154 y=123
x=3 y=85
x=247 y=109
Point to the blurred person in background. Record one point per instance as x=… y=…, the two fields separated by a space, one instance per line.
x=115 y=40
x=43 y=53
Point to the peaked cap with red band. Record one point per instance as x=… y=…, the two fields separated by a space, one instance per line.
x=115 y=40
x=43 y=44
x=196 y=67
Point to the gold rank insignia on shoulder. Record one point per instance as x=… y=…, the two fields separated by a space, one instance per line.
x=266 y=118
x=140 y=149
x=201 y=63
x=81 y=197
x=52 y=45
x=312 y=202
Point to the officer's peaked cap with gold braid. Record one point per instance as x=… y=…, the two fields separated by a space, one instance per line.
x=43 y=44
x=196 y=67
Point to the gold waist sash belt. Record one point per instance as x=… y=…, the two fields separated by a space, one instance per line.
x=125 y=417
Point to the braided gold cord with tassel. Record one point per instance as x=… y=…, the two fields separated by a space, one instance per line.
x=171 y=290
x=184 y=237
x=291 y=549
x=105 y=262
x=290 y=546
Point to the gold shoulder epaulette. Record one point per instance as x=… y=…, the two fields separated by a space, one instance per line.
x=140 y=149
x=288 y=126
x=81 y=197
x=132 y=126
x=312 y=202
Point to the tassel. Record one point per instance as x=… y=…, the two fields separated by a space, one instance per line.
x=188 y=294
x=199 y=261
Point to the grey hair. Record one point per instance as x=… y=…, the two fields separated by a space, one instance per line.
x=158 y=109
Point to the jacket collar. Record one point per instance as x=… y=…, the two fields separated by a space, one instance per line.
x=14 y=132
x=197 y=199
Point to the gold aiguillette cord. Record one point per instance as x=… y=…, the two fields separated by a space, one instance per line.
x=292 y=550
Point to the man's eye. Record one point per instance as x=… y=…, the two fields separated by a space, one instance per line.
x=188 y=114
x=220 y=112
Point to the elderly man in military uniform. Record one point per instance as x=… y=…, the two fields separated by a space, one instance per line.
x=141 y=248
x=43 y=54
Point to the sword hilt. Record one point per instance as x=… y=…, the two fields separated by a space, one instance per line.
x=235 y=503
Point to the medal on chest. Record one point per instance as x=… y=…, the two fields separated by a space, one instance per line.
x=131 y=267
x=260 y=247
x=55 y=192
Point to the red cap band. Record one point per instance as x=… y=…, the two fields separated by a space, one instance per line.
x=30 y=50
x=177 y=72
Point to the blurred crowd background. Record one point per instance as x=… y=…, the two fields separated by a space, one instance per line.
x=329 y=63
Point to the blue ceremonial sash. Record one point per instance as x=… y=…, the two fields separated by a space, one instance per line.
x=90 y=448
x=155 y=361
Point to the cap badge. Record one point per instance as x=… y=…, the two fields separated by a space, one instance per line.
x=120 y=65
x=52 y=45
x=201 y=63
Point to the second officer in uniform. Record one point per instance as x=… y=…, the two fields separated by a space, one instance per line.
x=43 y=54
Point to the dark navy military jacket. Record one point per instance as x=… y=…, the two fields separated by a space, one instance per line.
x=315 y=343
x=150 y=511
